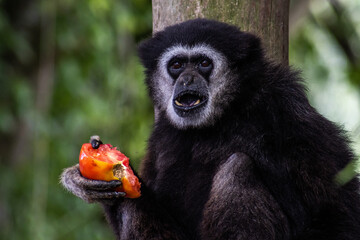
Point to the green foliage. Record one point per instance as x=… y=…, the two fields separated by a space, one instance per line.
x=347 y=174
x=97 y=88
x=331 y=67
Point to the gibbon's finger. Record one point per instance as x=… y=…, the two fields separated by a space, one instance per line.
x=98 y=195
x=99 y=185
x=77 y=179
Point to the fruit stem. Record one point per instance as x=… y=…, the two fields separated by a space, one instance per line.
x=95 y=141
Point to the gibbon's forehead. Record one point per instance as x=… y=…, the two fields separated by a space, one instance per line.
x=218 y=59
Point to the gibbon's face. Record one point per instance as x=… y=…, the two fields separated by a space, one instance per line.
x=196 y=69
x=192 y=85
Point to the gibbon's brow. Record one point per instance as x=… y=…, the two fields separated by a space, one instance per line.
x=193 y=58
x=199 y=57
x=178 y=58
x=217 y=58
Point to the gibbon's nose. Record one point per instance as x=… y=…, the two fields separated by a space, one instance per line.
x=186 y=79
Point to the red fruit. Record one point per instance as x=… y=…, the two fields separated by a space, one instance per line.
x=107 y=163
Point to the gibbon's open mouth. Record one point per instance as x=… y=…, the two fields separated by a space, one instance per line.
x=189 y=100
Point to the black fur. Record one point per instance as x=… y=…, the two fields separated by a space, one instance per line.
x=296 y=151
x=264 y=170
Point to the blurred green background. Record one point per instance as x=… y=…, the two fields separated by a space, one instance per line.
x=68 y=70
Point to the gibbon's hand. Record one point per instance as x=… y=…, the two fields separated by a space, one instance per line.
x=90 y=190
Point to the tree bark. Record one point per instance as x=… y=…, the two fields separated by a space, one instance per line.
x=268 y=19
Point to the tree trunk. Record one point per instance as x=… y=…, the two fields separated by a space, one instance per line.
x=268 y=19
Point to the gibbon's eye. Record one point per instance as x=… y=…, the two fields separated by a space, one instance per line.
x=176 y=65
x=205 y=65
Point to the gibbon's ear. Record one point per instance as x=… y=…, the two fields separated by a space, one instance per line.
x=150 y=49
x=146 y=52
x=249 y=48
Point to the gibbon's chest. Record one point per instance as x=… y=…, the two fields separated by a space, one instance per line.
x=184 y=177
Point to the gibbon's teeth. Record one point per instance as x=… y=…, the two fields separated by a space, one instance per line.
x=196 y=103
x=178 y=103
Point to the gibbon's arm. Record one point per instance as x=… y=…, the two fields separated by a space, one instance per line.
x=241 y=205
x=140 y=218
